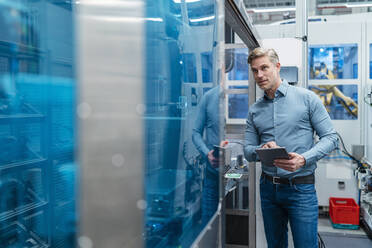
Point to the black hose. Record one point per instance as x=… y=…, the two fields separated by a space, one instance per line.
x=345 y=151
x=321 y=243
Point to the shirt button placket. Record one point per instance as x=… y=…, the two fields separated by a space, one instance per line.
x=274 y=118
x=274 y=126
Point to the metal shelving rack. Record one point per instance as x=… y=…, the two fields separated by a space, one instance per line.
x=25 y=205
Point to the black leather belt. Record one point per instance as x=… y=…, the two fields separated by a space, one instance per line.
x=309 y=179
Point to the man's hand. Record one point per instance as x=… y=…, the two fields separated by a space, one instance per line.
x=213 y=160
x=270 y=144
x=294 y=162
x=224 y=143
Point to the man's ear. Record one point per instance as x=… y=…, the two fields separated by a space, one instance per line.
x=278 y=65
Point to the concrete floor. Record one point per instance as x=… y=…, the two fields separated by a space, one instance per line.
x=342 y=238
x=332 y=237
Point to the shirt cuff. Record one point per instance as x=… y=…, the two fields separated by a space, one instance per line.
x=310 y=157
x=205 y=152
x=250 y=154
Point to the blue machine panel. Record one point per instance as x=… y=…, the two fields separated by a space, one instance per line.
x=37 y=124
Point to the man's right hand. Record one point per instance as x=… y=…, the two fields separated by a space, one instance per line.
x=270 y=144
x=212 y=160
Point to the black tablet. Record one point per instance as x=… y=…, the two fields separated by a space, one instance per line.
x=216 y=151
x=268 y=155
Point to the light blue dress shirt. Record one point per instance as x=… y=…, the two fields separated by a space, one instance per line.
x=208 y=122
x=290 y=120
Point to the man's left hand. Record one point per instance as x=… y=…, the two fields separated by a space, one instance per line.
x=294 y=162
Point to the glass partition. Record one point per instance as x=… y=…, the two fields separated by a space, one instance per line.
x=181 y=189
x=189 y=67
x=341 y=101
x=240 y=67
x=238 y=102
x=37 y=124
x=207 y=66
x=237 y=85
x=328 y=62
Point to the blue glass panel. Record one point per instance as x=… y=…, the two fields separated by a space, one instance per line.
x=341 y=101
x=37 y=124
x=201 y=15
x=207 y=66
x=333 y=61
x=176 y=51
x=355 y=70
x=238 y=103
x=189 y=68
x=240 y=69
x=238 y=106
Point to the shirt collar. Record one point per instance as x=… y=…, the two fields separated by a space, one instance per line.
x=283 y=87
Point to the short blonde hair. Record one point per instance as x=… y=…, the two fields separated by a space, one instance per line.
x=260 y=52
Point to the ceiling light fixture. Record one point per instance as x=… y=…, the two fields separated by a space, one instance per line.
x=358 y=5
x=262 y=10
x=202 y=19
x=187 y=1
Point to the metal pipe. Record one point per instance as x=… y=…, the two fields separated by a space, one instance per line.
x=302 y=33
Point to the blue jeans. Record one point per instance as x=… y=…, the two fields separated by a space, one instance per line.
x=297 y=203
x=210 y=195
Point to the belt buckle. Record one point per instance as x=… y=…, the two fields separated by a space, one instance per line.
x=276 y=180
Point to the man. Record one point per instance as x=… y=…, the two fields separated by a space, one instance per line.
x=287 y=116
x=208 y=119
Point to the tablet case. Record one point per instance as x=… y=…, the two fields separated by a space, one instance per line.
x=268 y=155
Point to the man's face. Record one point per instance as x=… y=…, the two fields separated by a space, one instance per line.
x=266 y=74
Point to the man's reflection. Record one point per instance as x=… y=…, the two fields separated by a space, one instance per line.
x=207 y=119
